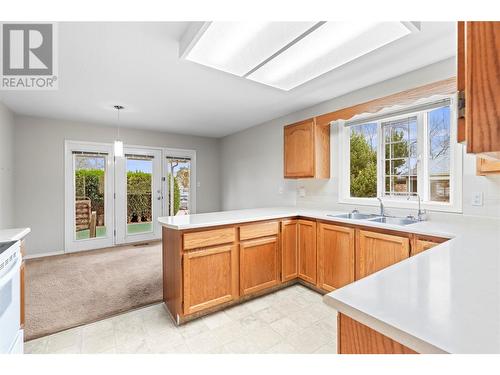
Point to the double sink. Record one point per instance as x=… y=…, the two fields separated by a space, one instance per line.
x=377 y=218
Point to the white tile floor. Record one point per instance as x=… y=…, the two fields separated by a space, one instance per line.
x=292 y=320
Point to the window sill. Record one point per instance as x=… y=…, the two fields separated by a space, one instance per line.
x=400 y=204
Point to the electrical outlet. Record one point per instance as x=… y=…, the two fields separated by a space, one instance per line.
x=477 y=198
x=302 y=192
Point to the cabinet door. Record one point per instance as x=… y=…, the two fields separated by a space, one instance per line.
x=289 y=247
x=422 y=245
x=482 y=80
x=299 y=149
x=258 y=264
x=307 y=250
x=375 y=251
x=486 y=167
x=210 y=277
x=335 y=256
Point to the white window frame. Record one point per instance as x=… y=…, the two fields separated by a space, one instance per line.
x=181 y=153
x=456 y=169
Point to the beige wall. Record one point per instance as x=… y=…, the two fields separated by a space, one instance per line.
x=39 y=177
x=252 y=160
x=6 y=167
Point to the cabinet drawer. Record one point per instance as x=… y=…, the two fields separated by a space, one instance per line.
x=206 y=238
x=258 y=230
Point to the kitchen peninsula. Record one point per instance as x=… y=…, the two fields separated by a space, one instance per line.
x=215 y=260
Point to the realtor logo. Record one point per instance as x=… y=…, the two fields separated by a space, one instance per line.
x=29 y=60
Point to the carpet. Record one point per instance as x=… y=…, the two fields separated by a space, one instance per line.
x=69 y=290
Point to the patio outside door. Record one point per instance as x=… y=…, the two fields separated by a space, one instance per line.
x=139 y=196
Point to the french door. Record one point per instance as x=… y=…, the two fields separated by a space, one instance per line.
x=138 y=202
x=116 y=200
x=89 y=181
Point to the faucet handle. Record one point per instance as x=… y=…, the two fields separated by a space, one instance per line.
x=355 y=211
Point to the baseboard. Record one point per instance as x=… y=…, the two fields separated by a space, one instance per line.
x=54 y=253
x=42 y=255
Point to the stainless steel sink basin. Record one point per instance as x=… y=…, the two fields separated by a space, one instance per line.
x=394 y=220
x=354 y=215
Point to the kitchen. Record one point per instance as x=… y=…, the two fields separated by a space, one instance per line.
x=336 y=198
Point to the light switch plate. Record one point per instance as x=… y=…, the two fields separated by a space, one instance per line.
x=477 y=198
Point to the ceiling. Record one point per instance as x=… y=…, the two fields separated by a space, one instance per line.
x=137 y=65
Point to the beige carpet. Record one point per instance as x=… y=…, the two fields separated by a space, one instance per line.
x=69 y=290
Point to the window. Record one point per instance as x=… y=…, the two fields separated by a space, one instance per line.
x=400 y=160
x=403 y=155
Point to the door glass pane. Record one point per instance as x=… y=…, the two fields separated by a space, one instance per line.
x=139 y=194
x=90 y=187
x=178 y=186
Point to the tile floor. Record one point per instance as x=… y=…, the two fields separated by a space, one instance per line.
x=292 y=320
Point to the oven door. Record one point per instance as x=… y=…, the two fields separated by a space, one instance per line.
x=10 y=305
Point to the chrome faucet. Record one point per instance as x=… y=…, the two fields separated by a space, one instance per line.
x=382 y=210
x=421 y=214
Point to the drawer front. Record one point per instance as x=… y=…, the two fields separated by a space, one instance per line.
x=248 y=232
x=195 y=240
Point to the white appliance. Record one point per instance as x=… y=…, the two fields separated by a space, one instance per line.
x=11 y=337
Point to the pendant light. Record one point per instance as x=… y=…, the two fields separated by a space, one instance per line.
x=118 y=144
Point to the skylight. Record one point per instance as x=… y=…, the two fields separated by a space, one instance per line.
x=288 y=54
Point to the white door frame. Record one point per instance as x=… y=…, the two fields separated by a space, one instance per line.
x=181 y=153
x=121 y=195
x=70 y=241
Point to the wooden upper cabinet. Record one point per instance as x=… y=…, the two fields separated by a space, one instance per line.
x=307 y=150
x=307 y=269
x=486 y=167
x=258 y=264
x=479 y=75
x=335 y=256
x=210 y=277
x=289 y=249
x=375 y=251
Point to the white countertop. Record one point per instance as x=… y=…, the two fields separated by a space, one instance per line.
x=444 y=300
x=13 y=234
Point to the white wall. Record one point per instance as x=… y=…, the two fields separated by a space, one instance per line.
x=252 y=160
x=39 y=177
x=6 y=167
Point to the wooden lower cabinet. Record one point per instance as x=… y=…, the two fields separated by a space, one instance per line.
x=289 y=249
x=354 y=337
x=422 y=243
x=259 y=264
x=307 y=256
x=210 y=277
x=213 y=267
x=375 y=251
x=335 y=256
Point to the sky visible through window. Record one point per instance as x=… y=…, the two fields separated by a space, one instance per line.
x=134 y=165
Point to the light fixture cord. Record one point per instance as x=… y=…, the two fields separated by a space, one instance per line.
x=118 y=126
